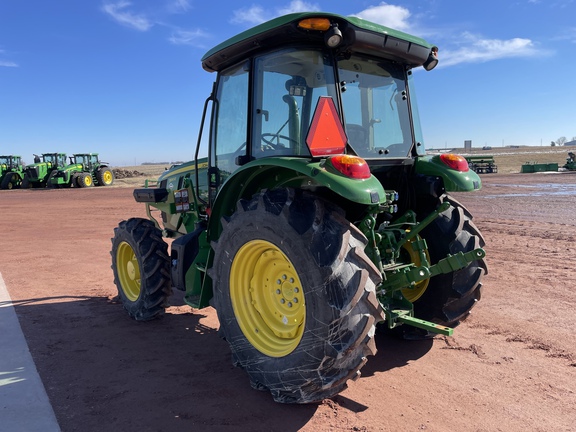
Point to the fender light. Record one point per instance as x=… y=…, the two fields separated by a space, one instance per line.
x=351 y=166
x=456 y=162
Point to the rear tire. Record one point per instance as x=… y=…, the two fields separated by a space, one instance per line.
x=105 y=176
x=449 y=298
x=141 y=268
x=295 y=295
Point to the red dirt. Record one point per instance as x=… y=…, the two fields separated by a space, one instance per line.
x=510 y=367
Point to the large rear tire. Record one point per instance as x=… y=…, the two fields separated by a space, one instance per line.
x=105 y=176
x=141 y=268
x=449 y=297
x=295 y=295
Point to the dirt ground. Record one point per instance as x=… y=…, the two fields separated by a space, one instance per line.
x=510 y=367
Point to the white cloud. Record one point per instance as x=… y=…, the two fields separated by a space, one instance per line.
x=479 y=50
x=297 y=6
x=118 y=11
x=567 y=35
x=188 y=37
x=392 y=16
x=178 y=6
x=253 y=15
x=257 y=14
x=6 y=63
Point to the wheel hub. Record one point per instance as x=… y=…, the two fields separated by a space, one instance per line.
x=272 y=319
x=128 y=271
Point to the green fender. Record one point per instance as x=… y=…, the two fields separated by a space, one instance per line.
x=454 y=180
x=300 y=173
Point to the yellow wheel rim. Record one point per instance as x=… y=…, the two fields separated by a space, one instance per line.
x=107 y=177
x=128 y=271
x=414 y=293
x=267 y=298
x=88 y=180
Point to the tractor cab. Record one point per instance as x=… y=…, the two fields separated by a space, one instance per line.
x=11 y=162
x=87 y=160
x=55 y=159
x=272 y=78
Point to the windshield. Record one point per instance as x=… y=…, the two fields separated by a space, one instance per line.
x=3 y=160
x=81 y=159
x=375 y=107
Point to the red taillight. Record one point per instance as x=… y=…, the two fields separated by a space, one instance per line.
x=351 y=166
x=455 y=162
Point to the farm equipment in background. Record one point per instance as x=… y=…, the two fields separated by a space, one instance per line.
x=84 y=170
x=317 y=214
x=482 y=164
x=11 y=171
x=38 y=174
x=570 y=162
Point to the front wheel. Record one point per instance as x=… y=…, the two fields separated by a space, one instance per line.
x=295 y=295
x=84 y=180
x=25 y=182
x=141 y=268
x=7 y=181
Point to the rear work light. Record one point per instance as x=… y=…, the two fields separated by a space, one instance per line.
x=455 y=162
x=351 y=166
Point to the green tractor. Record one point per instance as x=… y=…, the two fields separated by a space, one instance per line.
x=39 y=174
x=11 y=171
x=317 y=214
x=84 y=170
x=570 y=162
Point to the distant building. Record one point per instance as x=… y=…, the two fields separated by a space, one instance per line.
x=570 y=143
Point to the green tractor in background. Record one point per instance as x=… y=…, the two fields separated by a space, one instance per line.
x=317 y=214
x=84 y=170
x=11 y=171
x=570 y=162
x=38 y=174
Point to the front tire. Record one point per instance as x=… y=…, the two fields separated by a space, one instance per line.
x=25 y=182
x=295 y=295
x=7 y=181
x=141 y=268
x=84 y=180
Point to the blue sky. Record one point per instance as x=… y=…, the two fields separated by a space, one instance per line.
x=123 y=77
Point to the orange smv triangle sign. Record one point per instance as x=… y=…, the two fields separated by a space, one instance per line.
x=326 y=135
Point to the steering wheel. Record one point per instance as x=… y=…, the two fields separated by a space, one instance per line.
x=268 y=137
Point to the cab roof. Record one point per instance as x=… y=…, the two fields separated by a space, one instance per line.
x=359 y=36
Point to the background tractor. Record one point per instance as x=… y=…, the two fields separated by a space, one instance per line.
x=570 y=162
x=84 y=170
x=38 y=174
x=317 y=214
x=11 y=171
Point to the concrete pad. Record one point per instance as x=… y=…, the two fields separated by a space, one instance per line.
x=24 y=405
